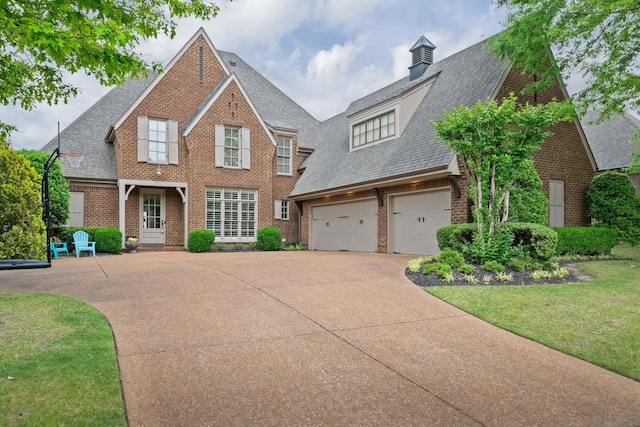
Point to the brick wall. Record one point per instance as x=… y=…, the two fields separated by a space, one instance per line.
x=282 y=187
x=562 y=157
x=100 y=204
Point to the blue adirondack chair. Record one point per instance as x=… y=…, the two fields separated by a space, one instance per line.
x=58 y=247
x=81 y=243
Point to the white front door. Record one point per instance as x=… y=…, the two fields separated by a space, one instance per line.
x=414 y=219
x=152 y=216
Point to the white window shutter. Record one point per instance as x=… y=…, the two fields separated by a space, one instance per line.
x=143 y=139
x=219 y=146
x=246 y=149
x=173 y=142
x=278 y=209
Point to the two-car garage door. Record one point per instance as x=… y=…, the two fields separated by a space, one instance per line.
x=353 y=226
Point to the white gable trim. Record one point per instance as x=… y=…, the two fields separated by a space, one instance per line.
x=203 y=111
x=175 y=59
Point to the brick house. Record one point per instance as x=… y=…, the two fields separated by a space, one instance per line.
x=212 y=144
x=610 y=142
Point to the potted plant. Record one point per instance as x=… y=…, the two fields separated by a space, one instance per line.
x=131 y=243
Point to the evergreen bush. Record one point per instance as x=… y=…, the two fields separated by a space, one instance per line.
x=65 y=234
x=200 y=240
x=269 y=239
x=585 y=240
x=451 y=258
x=456 y=236
x=108 y=240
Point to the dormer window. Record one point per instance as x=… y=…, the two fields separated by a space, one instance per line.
x=374 y=129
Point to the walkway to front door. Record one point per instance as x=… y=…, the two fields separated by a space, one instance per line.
x=319 y=338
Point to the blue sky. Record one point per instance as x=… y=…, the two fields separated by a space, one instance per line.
x=322 y=53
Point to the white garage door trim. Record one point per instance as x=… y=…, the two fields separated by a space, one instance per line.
x=413 y=218
x=344 y=226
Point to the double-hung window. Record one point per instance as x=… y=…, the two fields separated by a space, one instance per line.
x=374 y=129
x=157 y=141
x=231 y=213
x=282 y=209
x=231 y=147
x=284 y=156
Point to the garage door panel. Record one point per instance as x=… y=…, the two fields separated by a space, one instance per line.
x=351 y=226
x=415 y=219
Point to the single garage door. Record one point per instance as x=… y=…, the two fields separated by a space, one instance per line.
x=349 y=226
x=414 y=219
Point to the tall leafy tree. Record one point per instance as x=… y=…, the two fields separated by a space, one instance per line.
x=41 y=40
x=494 y=140
x=596 y=39
x=58 y=186
x=22 y=231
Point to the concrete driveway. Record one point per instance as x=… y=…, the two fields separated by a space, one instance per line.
x=319 y=338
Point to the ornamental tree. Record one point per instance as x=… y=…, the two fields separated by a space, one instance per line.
x=493 y=140
x=58 y=186
x=596 y=39
x=42 y=40
x=22 y=231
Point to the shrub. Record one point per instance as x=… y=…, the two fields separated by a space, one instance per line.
x=466 y=269
x=585 y=240
x=517 y=263
x=539 y=241
x=108 y=239
x=238 y=246
x=498 y=247
x=527 y=202
x=200 y=240
x=221 y=246
x=269 y=239
x=492 y=266
x=612 y=201
x=441 y=270
x=414 y=265
x=456 y=236
x=451 y=258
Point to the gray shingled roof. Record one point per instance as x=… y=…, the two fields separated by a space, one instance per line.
x=462 y=79
x=204 y=103
x=275 y=108
x=610 y=141
x=87 y=133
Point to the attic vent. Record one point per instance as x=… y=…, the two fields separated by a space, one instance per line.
x=422 y=57
x=232 y=63
x=201 y=69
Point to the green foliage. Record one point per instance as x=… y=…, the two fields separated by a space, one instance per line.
x=200 y=240
x=466 y=269
x=597 y=39
x=295 y=247
x=517 y=263
x=585 y=240
x=108 y=240
x=441 y=270
x=492 y=266
x=65 y=234
x=493 y=139
x=58 y=187
x=238 y=247
x=22 y=231
x=527 y=202
x=269 y=239
x=451 y=258
x=612 y=201
x=498 y=247
x=456 y=236
x=414 y=265
x=221 y=246
x=41 y=41
x=538 y=240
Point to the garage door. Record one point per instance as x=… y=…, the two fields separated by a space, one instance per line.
x=349 y=226
x=414 y=219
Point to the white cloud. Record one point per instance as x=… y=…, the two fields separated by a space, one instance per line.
x=401 y=60
x=330 y=63
x=344 y=12
x=295 y=56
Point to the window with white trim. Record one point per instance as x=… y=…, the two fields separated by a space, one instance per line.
x=157 y=141
x=374 y=129
x=231 y=213
x=231 y=147
x=282 y=209
x=284 y=156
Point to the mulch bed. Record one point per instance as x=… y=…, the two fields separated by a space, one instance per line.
x=519 y=278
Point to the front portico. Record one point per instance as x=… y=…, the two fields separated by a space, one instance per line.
x=149 y=200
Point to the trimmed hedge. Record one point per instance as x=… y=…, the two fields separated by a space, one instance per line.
x=269 y=239
x=585 y=240
x=540 y=241
x=109 y=240
x=200 y=240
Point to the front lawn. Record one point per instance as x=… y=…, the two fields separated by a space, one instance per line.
x=57 y=364
x=598 y=321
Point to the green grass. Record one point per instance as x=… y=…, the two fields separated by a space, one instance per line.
x=598 y=321
x=57 y=364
